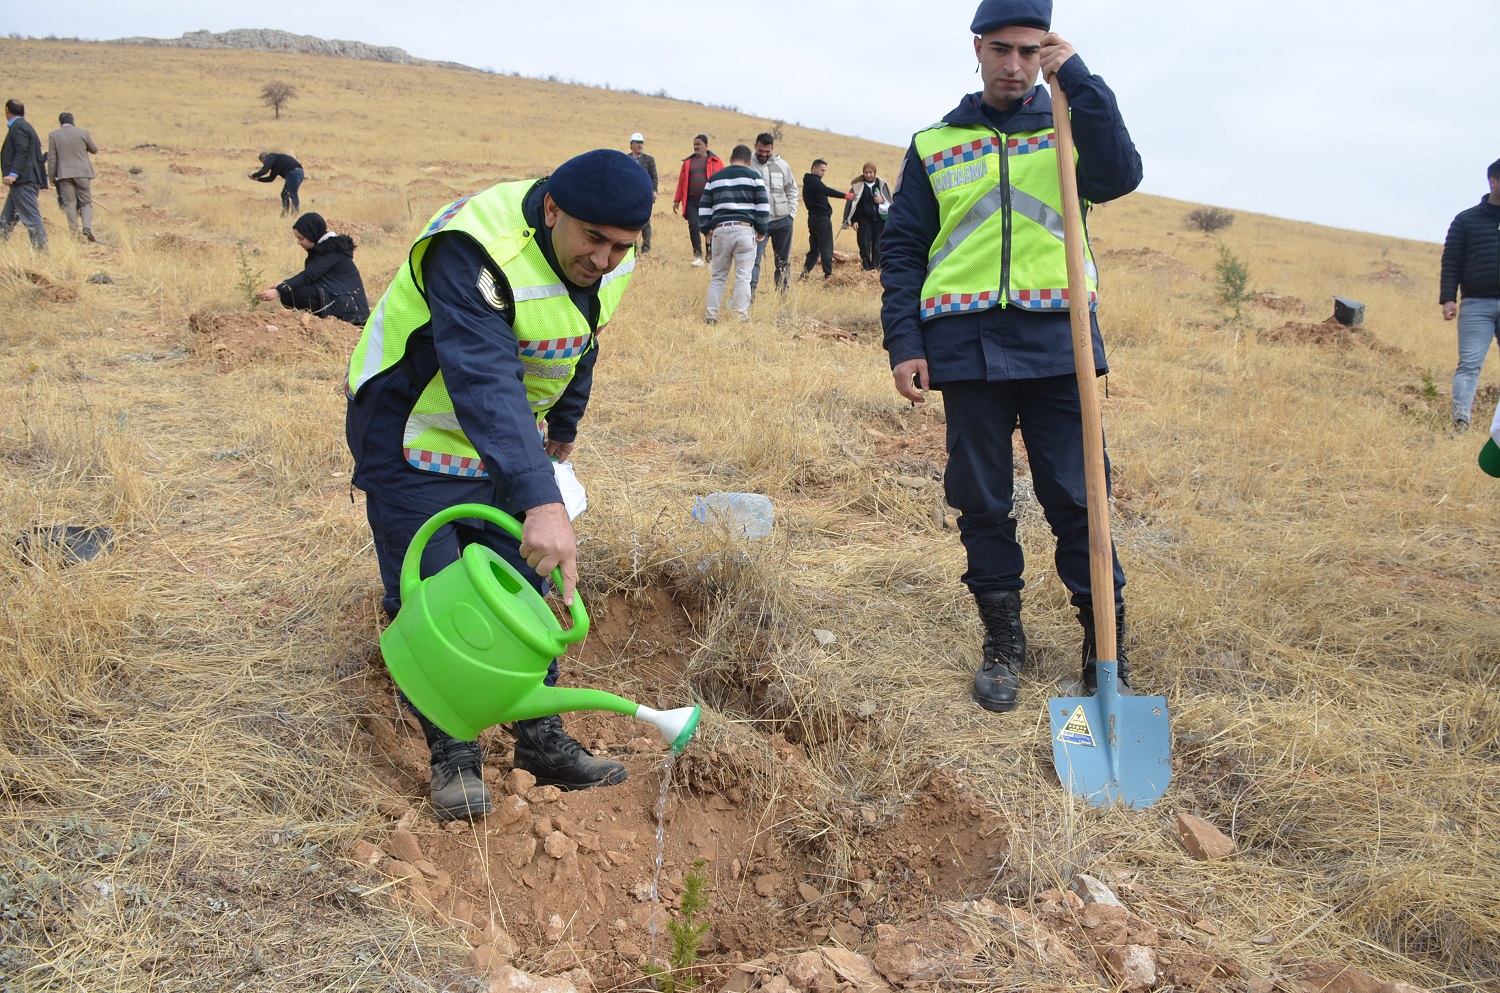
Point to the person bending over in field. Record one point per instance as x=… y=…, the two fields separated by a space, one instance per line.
x=329 y=284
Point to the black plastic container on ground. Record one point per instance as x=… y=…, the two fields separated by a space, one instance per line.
x=1349 y=313
x=67 y=543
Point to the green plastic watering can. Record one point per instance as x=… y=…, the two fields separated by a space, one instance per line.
x=472 y=644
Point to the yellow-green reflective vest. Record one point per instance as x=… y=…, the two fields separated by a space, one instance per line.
x=552 y=333
x=988 y=184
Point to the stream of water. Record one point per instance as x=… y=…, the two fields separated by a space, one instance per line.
x=661 y=847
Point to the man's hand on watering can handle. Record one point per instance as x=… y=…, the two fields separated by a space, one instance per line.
x=548 y=543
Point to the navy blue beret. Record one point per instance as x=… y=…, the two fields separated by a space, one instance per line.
x=995 y=14
x=604 y=186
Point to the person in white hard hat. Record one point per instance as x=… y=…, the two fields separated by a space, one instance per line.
x=637 y=152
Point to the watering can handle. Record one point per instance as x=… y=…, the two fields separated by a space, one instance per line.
x=411 y=565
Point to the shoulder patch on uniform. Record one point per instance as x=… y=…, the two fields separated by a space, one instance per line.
x=496 y=292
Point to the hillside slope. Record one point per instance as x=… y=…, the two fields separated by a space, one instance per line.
x=206 y=781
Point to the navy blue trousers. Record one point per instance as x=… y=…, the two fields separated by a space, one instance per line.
x=980 y=479
x=393 y=527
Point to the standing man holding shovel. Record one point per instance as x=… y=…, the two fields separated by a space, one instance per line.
x=974 y=273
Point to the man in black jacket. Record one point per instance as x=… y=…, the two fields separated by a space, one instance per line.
x=1471 y=263
x=329 y=285
x=816 y=194
x=276 y=165
x=24 y=174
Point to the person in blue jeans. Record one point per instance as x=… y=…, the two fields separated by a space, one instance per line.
x=1471 y=266
x=277 y=165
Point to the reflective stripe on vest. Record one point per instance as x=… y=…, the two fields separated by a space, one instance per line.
x=988 y=185
x=552 y=335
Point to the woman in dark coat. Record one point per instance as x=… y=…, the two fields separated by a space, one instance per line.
x=329 y=284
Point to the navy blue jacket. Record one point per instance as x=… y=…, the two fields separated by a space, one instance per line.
x=1000 y=343
x=21 y=154
x=1471 y=254
x=276 y=166
x=816 y=194
x=475 y=346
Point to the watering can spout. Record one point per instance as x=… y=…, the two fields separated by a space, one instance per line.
x=676 y=726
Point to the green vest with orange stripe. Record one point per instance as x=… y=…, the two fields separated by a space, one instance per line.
x=552 y=333
x=989 y=185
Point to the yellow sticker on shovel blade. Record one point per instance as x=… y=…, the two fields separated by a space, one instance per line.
x=1077 y=731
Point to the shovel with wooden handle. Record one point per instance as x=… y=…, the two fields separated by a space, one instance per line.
x=1107 y=747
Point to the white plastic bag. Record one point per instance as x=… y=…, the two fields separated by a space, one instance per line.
x=574 y=498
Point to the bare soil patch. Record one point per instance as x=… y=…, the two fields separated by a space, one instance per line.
x=1327 y=334
x=235 y=340
x=42 y=289
x=1275 y=301
x=554 y=882
x=1389 y=273
x=1150 y=260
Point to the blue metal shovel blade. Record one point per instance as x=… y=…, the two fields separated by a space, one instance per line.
x=1109 y=748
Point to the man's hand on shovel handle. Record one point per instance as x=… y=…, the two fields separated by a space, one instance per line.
x=1055 y=51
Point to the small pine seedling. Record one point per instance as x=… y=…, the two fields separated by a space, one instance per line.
x=1234 y=280
x=249 y=281
x=687 y=933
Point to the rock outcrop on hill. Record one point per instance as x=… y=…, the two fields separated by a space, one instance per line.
x=271 y=40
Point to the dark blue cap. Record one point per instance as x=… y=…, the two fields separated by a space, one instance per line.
x=995 y=14
x=604 y=186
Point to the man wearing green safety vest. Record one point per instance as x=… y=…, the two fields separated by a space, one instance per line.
x=975 y=305
x=468 y=383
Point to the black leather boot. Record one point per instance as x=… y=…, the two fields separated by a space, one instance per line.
x=1090 y=654
x=458 y=788
x=546 y=751
x=999 y=676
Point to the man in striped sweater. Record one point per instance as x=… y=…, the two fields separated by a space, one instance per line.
x=733 y=215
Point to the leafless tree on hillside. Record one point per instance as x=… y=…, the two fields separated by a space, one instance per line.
x=275 y=95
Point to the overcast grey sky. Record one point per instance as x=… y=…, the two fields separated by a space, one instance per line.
x=1352 y=114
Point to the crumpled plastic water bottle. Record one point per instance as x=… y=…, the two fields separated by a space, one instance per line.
x=749 y=514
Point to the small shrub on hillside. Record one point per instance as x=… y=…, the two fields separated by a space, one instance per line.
x=1208 y=219
x=1233 y=282
x=250 y=278
x=1429 y=387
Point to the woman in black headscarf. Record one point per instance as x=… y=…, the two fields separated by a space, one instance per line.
x=329 y=284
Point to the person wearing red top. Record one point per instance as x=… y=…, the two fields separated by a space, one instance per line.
x=697 y=170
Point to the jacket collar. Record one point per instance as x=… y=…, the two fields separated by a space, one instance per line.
x=1034 y=113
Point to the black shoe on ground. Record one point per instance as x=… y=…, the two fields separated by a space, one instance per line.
x=89 y=235
x=546 y=751
x=1460 y=426
x=458 y=788
x=998 y=680
x=1090 y=652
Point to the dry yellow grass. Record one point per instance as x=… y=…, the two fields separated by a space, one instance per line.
x=1311 y=557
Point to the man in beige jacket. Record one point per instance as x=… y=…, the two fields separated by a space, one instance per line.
x=69 y=168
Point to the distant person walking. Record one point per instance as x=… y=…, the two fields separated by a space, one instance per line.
x=329 y=284
x=866 y=213
x=278 y=165
x=782 y=189
x=816 y=194
x=1471 y=265
x=72 y=172
x=697 y=170
x=735 y=216
x=648 y=163
x=24 y=175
